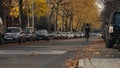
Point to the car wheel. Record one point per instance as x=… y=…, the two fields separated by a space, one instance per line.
x=24 y=40
x=109 y=43
x=34 y=39
x=20 y=40
x=30 y=39
x=46 y=38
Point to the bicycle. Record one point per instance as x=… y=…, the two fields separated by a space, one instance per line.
x=87 y=36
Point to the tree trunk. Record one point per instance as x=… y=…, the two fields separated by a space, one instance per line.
x=21 y=14
x=63 y=24
x=49 y=19
x=70 y=24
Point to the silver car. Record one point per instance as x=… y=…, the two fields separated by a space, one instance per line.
x=14 y=34
x=42 y=34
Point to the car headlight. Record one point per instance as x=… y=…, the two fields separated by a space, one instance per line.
x=110 y=29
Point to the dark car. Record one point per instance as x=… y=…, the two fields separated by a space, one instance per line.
x=42 y=35
x=112 y=30
x=30 y=36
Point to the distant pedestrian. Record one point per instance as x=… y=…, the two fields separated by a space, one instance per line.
x=87 y=30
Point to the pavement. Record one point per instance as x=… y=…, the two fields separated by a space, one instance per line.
x=99 y=63
x=45 y=54
x=96 y=55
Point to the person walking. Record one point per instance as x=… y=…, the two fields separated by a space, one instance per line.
x=87 y=30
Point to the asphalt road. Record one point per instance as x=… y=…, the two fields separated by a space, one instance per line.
x=48 y=54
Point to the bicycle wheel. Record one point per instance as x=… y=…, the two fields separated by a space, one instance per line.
x=87 y=36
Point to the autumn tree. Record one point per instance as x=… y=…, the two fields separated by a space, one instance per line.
x=85 y=11
x=35 y=9
x=109 y=7
x=5 y=6
x=19 y=9
x=54 y=10
x=21 y=18
x=61 y=9
x=74 y=14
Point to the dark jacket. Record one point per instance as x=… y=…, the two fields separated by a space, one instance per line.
x=87 y=28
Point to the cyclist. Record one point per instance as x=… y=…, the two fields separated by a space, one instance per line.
x=87 y=30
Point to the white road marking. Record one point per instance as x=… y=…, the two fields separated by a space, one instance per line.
x=42 y=46
x=15 y=52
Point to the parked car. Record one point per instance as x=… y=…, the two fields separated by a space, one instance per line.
x=68 y=35
x=112 y=31
x=72 y=34
x=51 y=35
x=1 y=32
x=63 y=35
x=76 y=35
x=82 y=34
x=42 y=34
x=14 y=34
x=57 y=35
x=30 y=36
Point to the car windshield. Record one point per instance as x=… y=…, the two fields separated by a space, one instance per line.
x=27 y=31
x=41 y=32
x=13 y=30
x=116 y=19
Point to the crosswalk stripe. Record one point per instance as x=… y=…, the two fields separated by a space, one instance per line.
x=8 y=52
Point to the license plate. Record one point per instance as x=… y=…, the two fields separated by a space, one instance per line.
x=9 y=38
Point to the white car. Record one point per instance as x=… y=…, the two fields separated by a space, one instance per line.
x=82 y=34
x=72 y=35
x=57 y=35
x=63 y=35
x=68 y=35
x=14 y=34
x=76 y=35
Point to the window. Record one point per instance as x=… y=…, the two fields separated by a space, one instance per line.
x=116 y=18
x=13 y=30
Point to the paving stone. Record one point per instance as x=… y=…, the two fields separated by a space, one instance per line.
x=99 y=63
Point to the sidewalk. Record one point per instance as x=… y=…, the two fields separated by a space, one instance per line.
x=99 y=63
x=95 y=55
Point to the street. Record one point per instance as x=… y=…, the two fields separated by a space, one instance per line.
x=48 y=54
x=22 y=56
x=59 y=33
